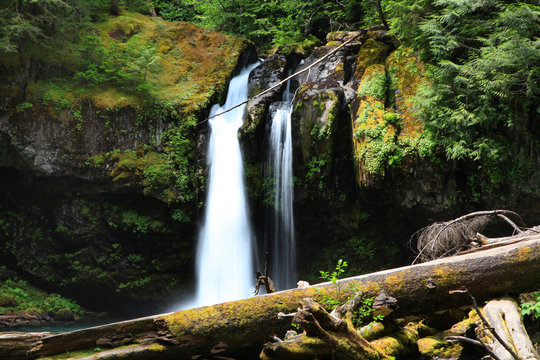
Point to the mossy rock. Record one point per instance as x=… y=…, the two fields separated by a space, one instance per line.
x=64 y=315
x=374 y=128
x=386 y=128
x=371 y=52
x=406 y=75
x=316 y=111
x=401 y=343
x=372 y=331
x=438 y=347
x=8 y=300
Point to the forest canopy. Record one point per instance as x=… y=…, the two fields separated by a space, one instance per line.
x=483 y=57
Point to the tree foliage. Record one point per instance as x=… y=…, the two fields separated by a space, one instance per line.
x=485 y=57
x=281 y=23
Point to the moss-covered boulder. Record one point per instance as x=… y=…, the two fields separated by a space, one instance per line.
x=315 y=122
x=386 y=129
x=372 y=52
x=437 y=347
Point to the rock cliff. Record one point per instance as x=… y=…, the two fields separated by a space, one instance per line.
x=103 y=168
x=100 y=178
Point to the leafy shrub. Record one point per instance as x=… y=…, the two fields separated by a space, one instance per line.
x=25 y=298
x=533 y=307
x=364 y=313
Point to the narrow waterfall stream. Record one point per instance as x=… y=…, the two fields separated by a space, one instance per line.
x=225 y=268
x=280 y=159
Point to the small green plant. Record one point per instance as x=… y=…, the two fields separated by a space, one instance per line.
x=23 y=106
x=532 y=308
x=364 y=313
x=334 y=276
x=330 y=301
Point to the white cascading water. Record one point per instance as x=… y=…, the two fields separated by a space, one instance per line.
x=283 y=248
x=224 y=255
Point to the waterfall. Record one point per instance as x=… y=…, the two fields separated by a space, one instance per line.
x=224 y=256
x=283 y=245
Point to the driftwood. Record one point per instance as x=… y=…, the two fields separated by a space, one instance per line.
x=442 y=239
x=241 y=327
x=505 y=319
x=333 y=336
x=325 y=336
x=265 y=279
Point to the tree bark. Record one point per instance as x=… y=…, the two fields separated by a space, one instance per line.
x=115 y=11
x=381 y=15
x=242 y=327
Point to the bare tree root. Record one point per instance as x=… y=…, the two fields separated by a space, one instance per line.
x=324 y=336
x=442 y=239
x=505 y=318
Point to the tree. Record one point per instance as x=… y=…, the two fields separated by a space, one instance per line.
x=482 y=104
x=114 y=8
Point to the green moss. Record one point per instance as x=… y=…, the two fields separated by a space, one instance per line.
x=317 y=114
x=437 y=346
x=372 y=52
x=385 y=127
x=372 y=331
x=407 y=75
x=18 y=296
x=141 y=68
x=147 y=57
x=373 y=83
x=399 y=344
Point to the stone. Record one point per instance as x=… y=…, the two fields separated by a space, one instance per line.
x=64 y=315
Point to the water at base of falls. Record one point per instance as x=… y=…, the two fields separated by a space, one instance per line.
x=225 y=269
x=283 y=243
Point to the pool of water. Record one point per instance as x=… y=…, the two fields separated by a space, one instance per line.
x=57 y=326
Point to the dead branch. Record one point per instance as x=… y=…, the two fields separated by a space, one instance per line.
x=324 y=336
x=478 y=343
x=265 y=279
x=486 y=323
x=442 y=239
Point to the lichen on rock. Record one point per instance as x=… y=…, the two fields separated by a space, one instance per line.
x=385 y=127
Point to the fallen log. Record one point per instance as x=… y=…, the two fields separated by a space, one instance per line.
x=240 y=328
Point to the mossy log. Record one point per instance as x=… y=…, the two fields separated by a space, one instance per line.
x=324 y=337
x=240 y=328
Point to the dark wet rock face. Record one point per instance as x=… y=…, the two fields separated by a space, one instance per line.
x=99 y=192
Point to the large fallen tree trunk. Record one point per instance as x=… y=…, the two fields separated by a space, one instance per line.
x=242 y=327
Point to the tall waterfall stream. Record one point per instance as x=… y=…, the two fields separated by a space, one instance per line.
x=280 y=162
x=224 y=267
x=225 y=254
